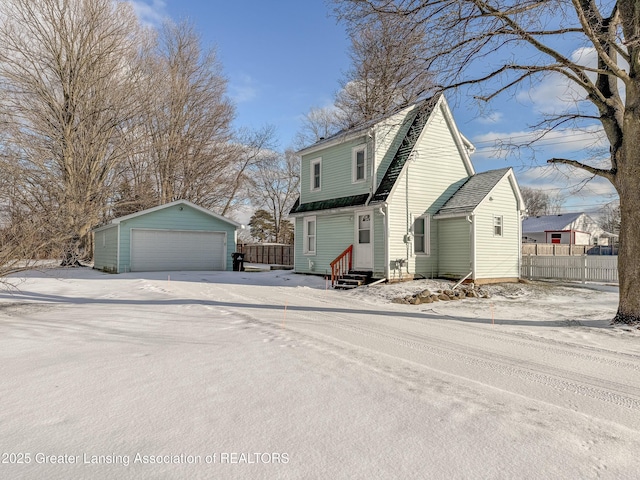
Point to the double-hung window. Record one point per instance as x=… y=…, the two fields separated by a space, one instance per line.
x=497 y=226
x=359 y=164
x=421 y=234
x=309 y=235
x=316 y=174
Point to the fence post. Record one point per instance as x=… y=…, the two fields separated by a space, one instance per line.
x=584 y=268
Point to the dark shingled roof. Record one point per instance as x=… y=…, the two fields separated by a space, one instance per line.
x=472 y=192
x=351 y=201
x=422 y=114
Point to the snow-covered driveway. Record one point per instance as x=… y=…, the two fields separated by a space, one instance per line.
x=270 y=375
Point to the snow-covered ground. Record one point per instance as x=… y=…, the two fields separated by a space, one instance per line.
x=272 y=375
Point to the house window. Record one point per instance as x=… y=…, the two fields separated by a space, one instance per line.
x=316 y=172
x=421 y=234
x=497 y=226
x=556 y=238
x=364 y=229
x=359 y=164
x=309 y=235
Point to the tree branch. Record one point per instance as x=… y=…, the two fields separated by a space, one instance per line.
x=608 y=174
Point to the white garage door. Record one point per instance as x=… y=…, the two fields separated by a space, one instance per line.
x=156 y=250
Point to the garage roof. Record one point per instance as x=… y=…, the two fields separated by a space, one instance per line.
x=115 y=221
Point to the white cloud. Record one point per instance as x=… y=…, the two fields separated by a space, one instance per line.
x=577 y=189
x=555 y=94
x=490 y=119
x=579 y=144
x=243 y=88
x=152 y=14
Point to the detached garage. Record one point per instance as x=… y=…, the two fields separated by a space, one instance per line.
x=176 y=236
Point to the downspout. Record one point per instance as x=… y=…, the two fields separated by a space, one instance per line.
x=385 y=231
x=406 y=201
x=409 y=235
x=472 y=246
x=372 y=155
x=118 y=251
x=520 y=215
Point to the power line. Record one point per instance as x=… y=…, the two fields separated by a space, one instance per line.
x=540 y=139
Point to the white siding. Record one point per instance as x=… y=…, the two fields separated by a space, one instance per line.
x=432 y=178
x=498 y=257
x=455 y=247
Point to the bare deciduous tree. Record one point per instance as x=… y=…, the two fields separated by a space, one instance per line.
x=387 y=70
x=67 y=73
x=317 y=124
x=539 y=202
x=275 y=188
x=501 y=46
x=251 y=147
x=610 y=218
x=187 y=120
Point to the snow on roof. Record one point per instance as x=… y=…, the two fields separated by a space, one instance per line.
x=545 y=223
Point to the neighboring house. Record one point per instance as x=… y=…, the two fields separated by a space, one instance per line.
x=176 y=236
x=566 y=228
x=400 y=197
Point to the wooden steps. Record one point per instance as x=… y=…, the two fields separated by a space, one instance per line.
x=353 y=280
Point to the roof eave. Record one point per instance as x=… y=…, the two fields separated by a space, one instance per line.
x=115 y=221
x=327 y=211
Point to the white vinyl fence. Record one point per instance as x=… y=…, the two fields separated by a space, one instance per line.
x=585 y=268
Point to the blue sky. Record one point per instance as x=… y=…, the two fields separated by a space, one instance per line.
x=283 y=57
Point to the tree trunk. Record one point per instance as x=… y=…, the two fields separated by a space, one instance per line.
x=627 y=183
x=72 y=253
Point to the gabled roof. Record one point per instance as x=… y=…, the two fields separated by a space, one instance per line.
x=359 y=129
x=115 y=221
x=420 y=116
x=472 y=193
x=544 y=223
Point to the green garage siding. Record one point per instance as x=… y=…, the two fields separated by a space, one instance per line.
x=164 y=228
x=177 y=217
x=454 y=238
x=105 y=249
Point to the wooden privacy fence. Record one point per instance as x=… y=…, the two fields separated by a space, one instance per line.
x=276 y=254
x=561 y=249
x=585 y=268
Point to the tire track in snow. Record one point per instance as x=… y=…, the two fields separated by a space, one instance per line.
x=569 y=349
x=589 y=386
x=550 y=377
x=592 y=387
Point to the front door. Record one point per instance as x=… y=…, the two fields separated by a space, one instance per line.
x=363 y=244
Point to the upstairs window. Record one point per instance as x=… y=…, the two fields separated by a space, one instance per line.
x=497 y=226
x=316 y=174
x=359 y=164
